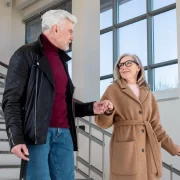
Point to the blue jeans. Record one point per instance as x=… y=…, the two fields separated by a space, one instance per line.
x=53 y=160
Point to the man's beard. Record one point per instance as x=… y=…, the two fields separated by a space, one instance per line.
x=66 y=47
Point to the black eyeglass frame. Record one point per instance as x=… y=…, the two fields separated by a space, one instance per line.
x=125 y=63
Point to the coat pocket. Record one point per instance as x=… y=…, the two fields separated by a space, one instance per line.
x=124 y=158
x=153 y=165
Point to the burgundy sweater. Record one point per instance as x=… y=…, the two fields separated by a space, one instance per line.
x=59 y=110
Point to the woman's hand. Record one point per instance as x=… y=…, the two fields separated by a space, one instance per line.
x=103 y=107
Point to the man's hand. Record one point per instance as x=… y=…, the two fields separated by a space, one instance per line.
x=21 y=151
x=102 y=107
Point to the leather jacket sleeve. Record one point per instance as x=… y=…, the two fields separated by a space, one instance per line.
x=12 y=104
x=84 y=109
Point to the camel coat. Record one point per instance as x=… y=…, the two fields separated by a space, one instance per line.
x=135 y=148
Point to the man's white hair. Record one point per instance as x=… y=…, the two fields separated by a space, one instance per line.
x=53 y=17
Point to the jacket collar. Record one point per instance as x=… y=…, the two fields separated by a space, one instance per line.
x=61 y=53
x=143 y=92
x=43 y=62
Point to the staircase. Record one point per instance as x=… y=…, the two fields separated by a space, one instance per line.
x=9 y=164
x=93 y=142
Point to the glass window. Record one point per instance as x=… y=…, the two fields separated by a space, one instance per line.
x=104 y=84
x=146 y=75
x=33 y=31
x=131 y=8
x=106 y=14
x=165 y=37
x=106 y=57
x=164 y=80
x=133 y=39
x=161 y=3
x=69 y=63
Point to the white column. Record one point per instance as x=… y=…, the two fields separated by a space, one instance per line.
x=5 y=31
x=86 y=50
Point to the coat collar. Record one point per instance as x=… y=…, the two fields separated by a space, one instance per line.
x=142 y=94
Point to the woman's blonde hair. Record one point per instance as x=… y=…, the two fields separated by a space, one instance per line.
x=141 y=81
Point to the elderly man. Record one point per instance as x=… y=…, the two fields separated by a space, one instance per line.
x=38 y=102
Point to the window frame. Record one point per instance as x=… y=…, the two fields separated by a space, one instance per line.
x=150 y=13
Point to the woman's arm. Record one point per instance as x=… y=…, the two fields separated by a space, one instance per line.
x=162 y=136
x=106 y=120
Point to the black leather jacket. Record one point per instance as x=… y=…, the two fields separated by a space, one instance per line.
x=29 y=94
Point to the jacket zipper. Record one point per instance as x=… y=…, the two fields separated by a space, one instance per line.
x=35 y=106
x=11 y=136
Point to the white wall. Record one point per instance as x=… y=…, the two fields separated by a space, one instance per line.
x=12 y=31
x=86 y=50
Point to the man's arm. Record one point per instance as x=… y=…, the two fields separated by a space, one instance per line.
x=93 y=108
x=84 y=109
x=16 y=80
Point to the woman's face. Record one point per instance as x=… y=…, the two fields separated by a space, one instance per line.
x=129 y=69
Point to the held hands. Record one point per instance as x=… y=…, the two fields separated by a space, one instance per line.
x=21 y=151
x=103 y=107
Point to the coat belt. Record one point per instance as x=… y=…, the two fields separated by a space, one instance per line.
x=151 y=137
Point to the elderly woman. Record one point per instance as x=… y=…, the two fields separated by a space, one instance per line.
x=135 y=148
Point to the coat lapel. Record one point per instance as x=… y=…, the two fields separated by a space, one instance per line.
x=46 y=68
x=143 y=92
x=44 y=65
x=127 y=90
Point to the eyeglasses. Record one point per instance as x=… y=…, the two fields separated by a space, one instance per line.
x=127 y=64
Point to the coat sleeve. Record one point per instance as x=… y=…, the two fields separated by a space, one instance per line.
x=84 y=109
x=162 y=136
x=16 y=80
x=105 y=121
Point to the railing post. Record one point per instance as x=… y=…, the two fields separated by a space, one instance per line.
x=90 y=132
x=77 y=153
x=171 y=173
x=103 y=156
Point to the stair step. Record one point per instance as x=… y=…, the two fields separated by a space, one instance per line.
x=3 y=135
x=2 y=126
x=6 y=158
x=4 y=146
x=9 y=172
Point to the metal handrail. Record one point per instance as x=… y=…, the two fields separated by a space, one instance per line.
x=3 y=64
x=102 y=143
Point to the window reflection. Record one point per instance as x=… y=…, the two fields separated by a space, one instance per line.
x=131 y=8
x=106 y=57
x=133 y=39
x=106 y=14
x=161 y=3
x=166 y=77
x=33 y=30
x=104 y=84
x=165 y=37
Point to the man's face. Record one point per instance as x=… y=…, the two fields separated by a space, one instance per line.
x=63 y=35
